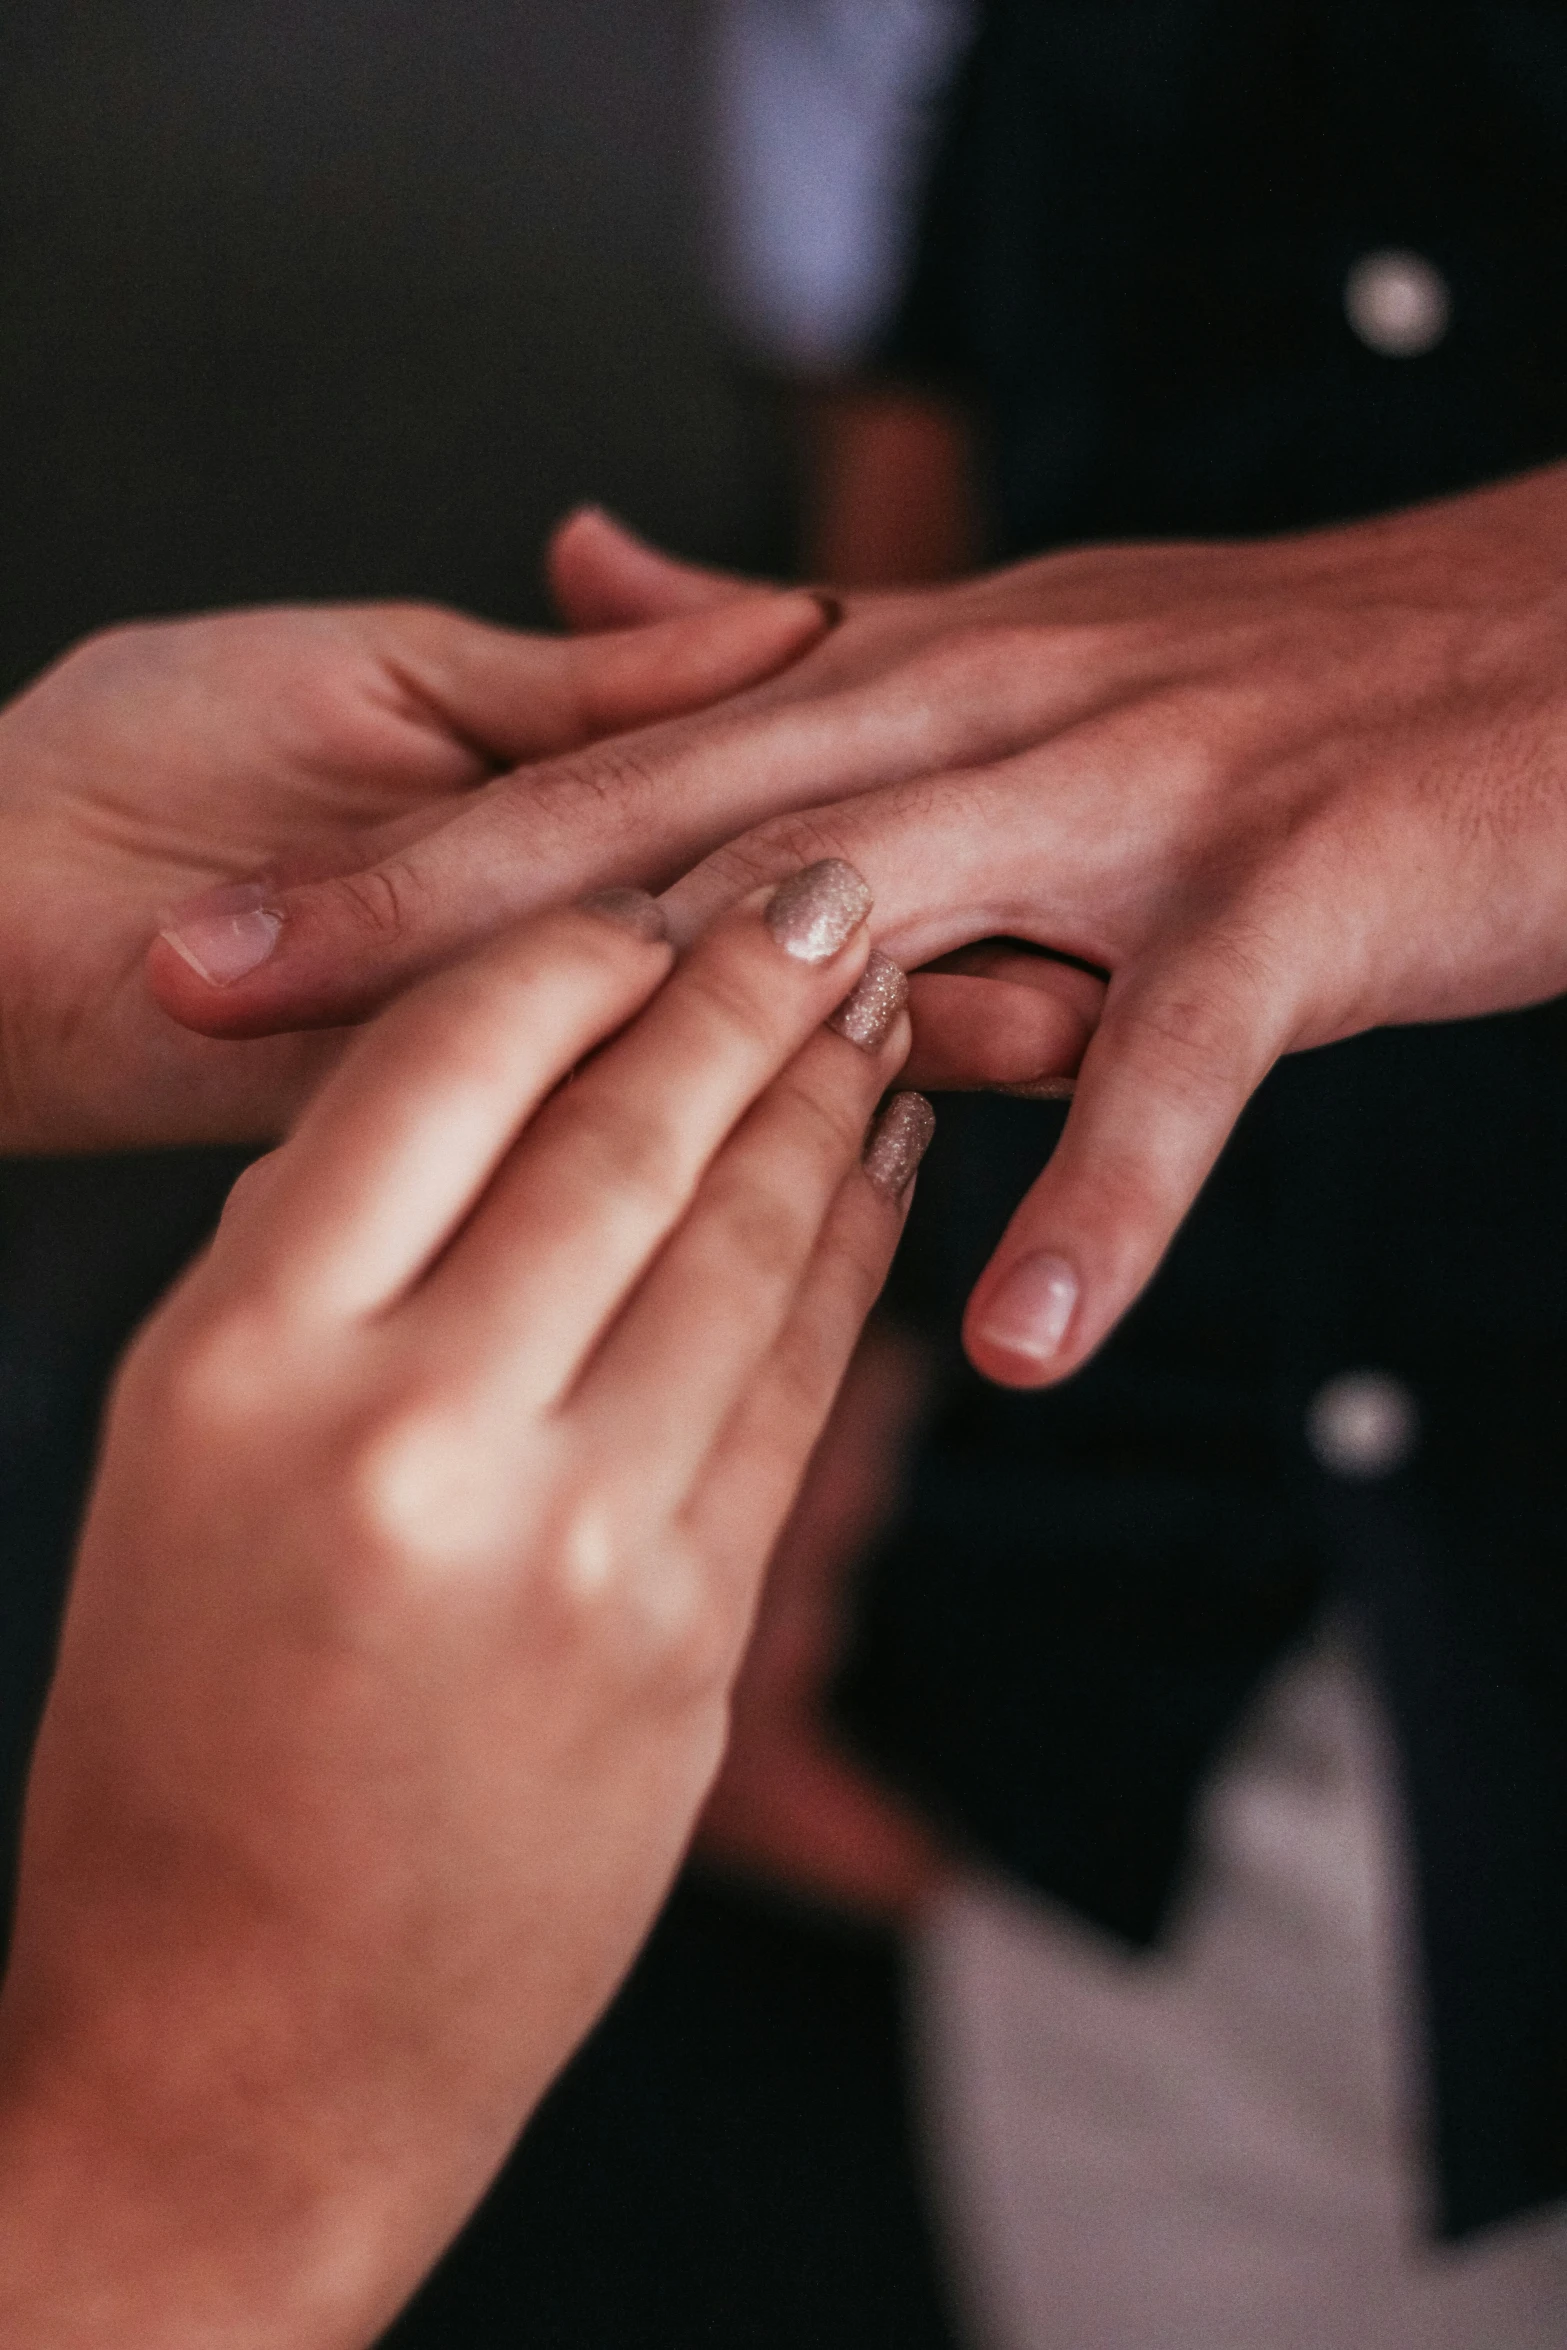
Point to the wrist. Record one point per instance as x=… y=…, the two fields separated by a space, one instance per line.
x=163 y=2225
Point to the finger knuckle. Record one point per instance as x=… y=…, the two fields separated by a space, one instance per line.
x=616 y=781
x=756 y=1234
x=383 y=904
x=413 y=1506
x=621 y=1155
x=1201 y=1036
x=982 y=652
x=122 y=643
x=826 y=1101
x=639 y=1603
x=784 y=845
x=211 y=1383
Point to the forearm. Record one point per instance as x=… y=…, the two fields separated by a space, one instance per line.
x=890 y=497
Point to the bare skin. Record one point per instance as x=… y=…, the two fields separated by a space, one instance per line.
x=431 y=1518
x=158 y=760
x=1279 y=791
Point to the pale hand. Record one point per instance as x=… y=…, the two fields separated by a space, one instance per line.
x=431 y=1518
x=157 y=760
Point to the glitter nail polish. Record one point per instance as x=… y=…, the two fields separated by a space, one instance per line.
x=898 y=1141
x=869 y=1010
x=815 y=912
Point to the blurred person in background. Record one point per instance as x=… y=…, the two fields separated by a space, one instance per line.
x=1235 y=1666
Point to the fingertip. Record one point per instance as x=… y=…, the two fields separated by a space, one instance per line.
x=184 y=986
x=767 y=625
x=900 y=1135
x=1025 y=1321
x=875 y=1005
x=602 y=574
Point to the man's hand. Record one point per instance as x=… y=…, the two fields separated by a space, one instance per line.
x=155 y=761
x=1279 y=791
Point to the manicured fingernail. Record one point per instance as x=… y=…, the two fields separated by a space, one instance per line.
x=1041 y=1089
x=633 y=909
x=817 y=911
x=832 y=607
x=225 y=933
x=1031 y=1312
x=866 y=1014
x=898 y=1141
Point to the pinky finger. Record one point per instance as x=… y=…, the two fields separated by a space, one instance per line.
x=748 y=1484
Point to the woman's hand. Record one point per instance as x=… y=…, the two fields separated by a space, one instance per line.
x=158 y=760
x=430 y=1522
x=1279 y=791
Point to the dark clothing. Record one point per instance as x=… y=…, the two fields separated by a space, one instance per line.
x=1140 y=235
x=1136 y=260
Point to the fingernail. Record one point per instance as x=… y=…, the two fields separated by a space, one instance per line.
x=869 y=1010
x=1041 y=1089
x=898 y=1141
x=633 y=909
x=832 y=607
x=816 y=911
x=1032 y=1311
x=225 y=933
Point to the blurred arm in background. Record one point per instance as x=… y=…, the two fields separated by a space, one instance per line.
x=825 y=117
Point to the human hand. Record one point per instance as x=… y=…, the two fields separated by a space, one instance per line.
x=1283 y=791
x=791 y=1803
x=429 y=1526
x=1279 y=791
x=156 y=760
x=279 y=954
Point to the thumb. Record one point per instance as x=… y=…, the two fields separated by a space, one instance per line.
x=531 y=697
x=1174 y=1062
x=601 y=575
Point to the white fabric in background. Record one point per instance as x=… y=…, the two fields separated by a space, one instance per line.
x=1213 y=2149
x=826 y=110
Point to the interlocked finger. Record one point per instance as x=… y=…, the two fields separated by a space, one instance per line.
x=748 y=1483
x=401 y=1142
x=611 y=1166
x=713 y=1306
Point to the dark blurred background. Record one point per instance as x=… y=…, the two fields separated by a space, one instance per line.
x=353 y=300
